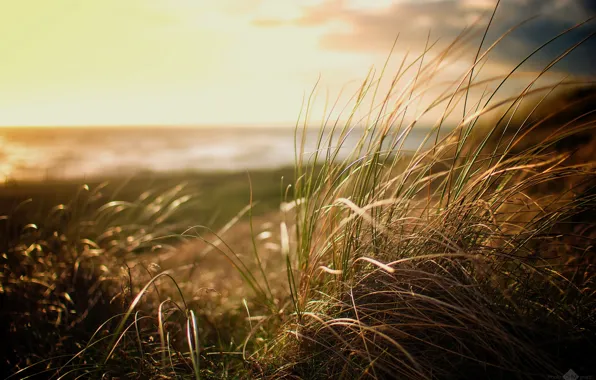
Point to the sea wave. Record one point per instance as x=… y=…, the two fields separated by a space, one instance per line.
x=66 y=153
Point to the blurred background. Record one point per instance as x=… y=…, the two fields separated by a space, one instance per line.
x=112 y=87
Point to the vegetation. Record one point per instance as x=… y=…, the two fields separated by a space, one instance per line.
x=472 y=257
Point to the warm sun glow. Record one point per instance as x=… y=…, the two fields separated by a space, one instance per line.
x=151 y=62
x=368 y=5
x=225 y=62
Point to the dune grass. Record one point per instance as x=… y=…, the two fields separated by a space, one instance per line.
x=472 y=257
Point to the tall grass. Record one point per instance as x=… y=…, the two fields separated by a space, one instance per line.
x=471 y=257
x=70 y=273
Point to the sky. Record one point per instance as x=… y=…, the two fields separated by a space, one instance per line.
x=242 y=62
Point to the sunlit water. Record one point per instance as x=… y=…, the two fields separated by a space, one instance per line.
x=63 y=153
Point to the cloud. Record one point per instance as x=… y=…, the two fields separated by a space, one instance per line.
x=376 y=31
x=478 y=4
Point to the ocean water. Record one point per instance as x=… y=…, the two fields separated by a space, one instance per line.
x=66 y=153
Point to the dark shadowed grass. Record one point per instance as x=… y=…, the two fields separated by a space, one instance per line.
x=74 y=258
x=472 y=257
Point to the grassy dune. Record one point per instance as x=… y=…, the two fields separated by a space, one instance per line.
x=470 y=258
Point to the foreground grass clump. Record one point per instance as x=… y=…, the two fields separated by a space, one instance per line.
x=82 y=290
x=472 y=257
x=62 y=275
